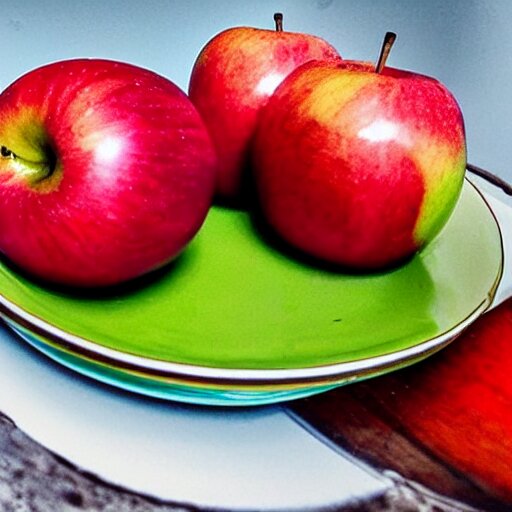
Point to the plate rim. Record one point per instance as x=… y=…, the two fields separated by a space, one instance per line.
x=82 y=347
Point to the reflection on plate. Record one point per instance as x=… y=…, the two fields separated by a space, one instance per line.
x=235 y=321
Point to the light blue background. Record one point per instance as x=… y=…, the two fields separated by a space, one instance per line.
x=467 y=44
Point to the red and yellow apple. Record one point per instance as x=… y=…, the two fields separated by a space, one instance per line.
x=233 y=77
x=356 y=167
x=106 y=172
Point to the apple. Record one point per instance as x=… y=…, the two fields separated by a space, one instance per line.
x=106 y=172
x=359 y=165
x=233 y=77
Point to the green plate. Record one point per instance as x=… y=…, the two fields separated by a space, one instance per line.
x=238 y=320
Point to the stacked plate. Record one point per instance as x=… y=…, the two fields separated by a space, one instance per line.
x=237 y=320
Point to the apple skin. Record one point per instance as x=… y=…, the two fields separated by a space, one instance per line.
x=357 y=168
x=107 y=172
x=232 y=78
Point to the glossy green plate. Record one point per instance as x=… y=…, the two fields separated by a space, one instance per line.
x=235 y=320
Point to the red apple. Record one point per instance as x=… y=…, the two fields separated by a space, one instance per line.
x=357 y=167
x=233 y=77
x=106 y=172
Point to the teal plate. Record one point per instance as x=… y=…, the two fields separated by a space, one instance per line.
x=238 y=321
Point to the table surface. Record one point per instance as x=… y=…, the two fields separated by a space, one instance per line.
x=33 y=479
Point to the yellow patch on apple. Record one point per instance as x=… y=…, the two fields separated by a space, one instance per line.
x=440 y=163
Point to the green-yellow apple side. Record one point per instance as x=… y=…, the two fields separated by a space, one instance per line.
x=356 y=167
x=232 y=78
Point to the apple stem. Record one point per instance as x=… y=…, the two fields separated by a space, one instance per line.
x=387 y=44
x=278 y=18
